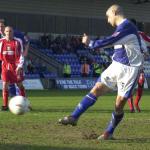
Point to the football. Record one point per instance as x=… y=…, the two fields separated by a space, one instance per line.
x=19 y=105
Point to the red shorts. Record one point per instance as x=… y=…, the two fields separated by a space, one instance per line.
x=10 y=75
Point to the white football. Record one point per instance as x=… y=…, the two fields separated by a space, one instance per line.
x=19 y=105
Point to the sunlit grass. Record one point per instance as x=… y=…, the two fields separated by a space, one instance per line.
x=39 y=130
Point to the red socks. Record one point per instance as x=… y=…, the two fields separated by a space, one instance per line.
x=139 y=93
x=130 y=103
x=22 y=91
x=138 y=97
x=5 y=97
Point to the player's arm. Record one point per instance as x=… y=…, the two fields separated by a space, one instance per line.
x=110 y=40
x=19 y=57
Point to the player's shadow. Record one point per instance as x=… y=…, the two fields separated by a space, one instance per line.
x=50 y=110
x=36 y=147
x=145 y=111
x=68 y=110
x=142 y=111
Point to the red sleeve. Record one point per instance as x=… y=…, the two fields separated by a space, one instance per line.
x=19 y=55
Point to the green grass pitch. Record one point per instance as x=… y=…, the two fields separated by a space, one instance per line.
x=39 y=130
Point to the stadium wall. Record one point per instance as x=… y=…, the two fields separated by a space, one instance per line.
x=77 y=83
x=82 y=8
x=30 y=84
x=67 y=16
x=56 y=24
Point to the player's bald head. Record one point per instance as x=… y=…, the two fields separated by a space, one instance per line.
x=115 y=15
x=115 y=9
x=9 y=28
x=9 y=32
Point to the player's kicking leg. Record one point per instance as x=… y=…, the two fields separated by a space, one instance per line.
x=117 y=116
x=85 y=103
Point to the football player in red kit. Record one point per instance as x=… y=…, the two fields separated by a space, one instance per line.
x=11 y=55
x=139 y=93
x=13 y=90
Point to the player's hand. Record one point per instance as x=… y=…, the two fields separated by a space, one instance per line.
x=85 y=39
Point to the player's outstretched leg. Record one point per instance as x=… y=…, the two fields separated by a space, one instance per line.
x=86 y=102
x=108 y=133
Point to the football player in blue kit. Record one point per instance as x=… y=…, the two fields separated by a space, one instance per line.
x=122 y=73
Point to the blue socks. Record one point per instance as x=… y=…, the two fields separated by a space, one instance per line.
x=12 y=90
x=86 y=102
x=114 y=122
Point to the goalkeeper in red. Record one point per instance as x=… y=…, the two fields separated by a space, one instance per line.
x=122 y=73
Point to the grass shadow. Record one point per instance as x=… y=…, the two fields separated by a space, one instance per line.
x=35 y=147
x=133 y=140
x=99 y=111
x=69 y=110
x=66 y=93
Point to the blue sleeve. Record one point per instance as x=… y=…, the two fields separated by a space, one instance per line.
x=116 y=36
